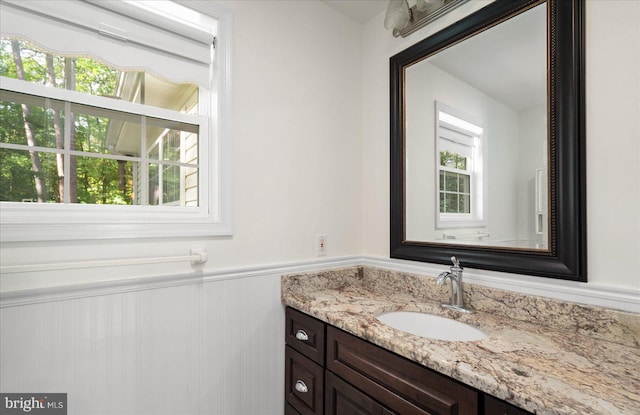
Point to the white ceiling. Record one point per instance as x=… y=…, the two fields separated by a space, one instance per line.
x=359 y=10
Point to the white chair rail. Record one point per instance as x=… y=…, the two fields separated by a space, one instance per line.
x=197 y=256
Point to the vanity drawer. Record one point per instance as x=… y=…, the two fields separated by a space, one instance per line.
x=304 y=383
x=397 y=383
x=305 y=334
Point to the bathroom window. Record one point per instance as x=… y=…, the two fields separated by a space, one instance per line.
x=114 y=127
x=459 y=184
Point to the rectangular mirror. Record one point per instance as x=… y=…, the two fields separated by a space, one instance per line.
x=487 y=142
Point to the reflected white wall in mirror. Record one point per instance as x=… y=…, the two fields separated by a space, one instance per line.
x=498 y=79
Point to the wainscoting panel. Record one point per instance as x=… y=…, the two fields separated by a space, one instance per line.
x=213 y=347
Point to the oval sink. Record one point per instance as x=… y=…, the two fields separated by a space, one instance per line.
x=431 y=326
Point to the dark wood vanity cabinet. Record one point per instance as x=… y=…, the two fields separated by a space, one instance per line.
x=329 y=371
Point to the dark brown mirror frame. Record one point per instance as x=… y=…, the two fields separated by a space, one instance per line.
x=566 y=256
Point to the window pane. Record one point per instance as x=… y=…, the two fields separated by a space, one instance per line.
x=105 y=181
x=29 y=63
x=447 y=159
x=451 y=182
x=171 y=146
x=28 y=176
x=172 y=141
x=464 y=182
x=451 y=203
x=171 y=184
x=175 y=142
x=106 y=132
x=461 y=162
x=463 y=204
x=31 y=121
x=154 y=152
x=190 y=186
x=145 y=88
x=89 y=76
x=453 y=160
x=455 y=194
x=170 y=177
x=154 y=185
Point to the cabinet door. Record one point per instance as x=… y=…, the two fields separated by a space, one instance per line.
x=494 y=406
x=304 y=383
x=343 y=399
x=288 y=410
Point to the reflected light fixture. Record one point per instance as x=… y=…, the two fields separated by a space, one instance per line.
x=404 y=18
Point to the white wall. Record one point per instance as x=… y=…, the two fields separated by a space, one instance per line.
x=613 y=138
x=613 y=141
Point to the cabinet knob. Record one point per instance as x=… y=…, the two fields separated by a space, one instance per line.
x=302 y=335
x=301 y=387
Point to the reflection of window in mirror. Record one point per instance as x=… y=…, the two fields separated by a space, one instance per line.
x=459 y=187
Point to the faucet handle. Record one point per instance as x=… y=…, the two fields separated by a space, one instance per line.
x=456 y=263
x=455 y=278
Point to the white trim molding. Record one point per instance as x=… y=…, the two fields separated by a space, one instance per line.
x=570 y=291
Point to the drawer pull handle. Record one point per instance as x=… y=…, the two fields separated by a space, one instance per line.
x=301 y=387
x=302 y=335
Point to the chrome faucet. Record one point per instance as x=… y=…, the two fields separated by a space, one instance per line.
x=455 y=281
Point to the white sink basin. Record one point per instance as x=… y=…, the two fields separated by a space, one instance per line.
x=431 y=326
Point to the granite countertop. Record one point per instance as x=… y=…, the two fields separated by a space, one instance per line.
x=542 y=355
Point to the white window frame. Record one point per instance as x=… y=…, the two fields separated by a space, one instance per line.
x=477 y=159
x=46 y=222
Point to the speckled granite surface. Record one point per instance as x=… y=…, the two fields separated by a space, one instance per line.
x=543 y=355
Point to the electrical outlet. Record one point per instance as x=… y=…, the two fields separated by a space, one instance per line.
x=321 y=245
